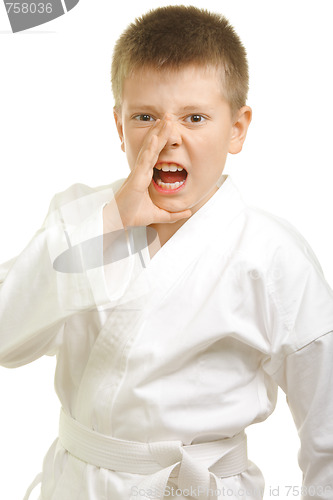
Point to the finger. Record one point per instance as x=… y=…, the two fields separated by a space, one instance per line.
x=144 y=158
x=151 y=149
x=153 y=130
x=158 y=140
x=143 y=170
x=154 y=142
x=163 y=135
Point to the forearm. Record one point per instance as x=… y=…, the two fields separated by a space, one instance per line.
x=53 y=278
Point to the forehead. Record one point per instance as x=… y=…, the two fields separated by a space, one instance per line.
x=161 y=86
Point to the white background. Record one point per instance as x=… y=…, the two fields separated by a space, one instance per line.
x=56 y=128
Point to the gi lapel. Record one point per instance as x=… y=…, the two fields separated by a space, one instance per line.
x=107 y=363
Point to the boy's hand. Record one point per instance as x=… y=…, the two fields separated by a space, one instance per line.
x=133 y=201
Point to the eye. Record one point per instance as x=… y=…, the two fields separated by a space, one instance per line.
x=195 y=118
x=144 y=118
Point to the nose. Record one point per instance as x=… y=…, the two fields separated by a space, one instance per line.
x=175 y=138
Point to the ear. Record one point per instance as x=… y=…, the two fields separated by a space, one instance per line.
x=119 y=125
x=240 y=127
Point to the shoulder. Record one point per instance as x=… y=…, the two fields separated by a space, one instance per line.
x=284 y=269
x=273 y=238
x=256 y=234
x=276 y=266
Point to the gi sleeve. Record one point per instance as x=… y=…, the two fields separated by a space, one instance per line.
x=307 y=379
x=58 y=274
x=301 y=360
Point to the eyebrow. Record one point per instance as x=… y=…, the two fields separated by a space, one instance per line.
x=186 y=109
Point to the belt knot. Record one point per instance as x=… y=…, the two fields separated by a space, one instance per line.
x=196 y=468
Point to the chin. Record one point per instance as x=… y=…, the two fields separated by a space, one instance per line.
x=171 y=204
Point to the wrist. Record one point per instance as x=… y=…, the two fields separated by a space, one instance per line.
x=112 y=220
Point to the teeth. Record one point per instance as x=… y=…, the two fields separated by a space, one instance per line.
x=168 y=167
x=171 y=168
x=169 y=185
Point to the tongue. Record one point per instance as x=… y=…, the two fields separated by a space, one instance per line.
x=178 y=176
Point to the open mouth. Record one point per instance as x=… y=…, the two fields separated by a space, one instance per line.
x=169 y=177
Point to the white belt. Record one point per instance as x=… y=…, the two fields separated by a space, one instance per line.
x=198 y=466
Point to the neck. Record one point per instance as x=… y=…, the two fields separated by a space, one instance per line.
x=164 y=232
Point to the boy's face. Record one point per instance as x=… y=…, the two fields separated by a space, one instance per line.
x=203 y=131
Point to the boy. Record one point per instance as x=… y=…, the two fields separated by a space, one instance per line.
x=171 y=343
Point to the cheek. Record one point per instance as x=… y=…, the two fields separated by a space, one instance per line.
x=208 y=137
x=134 y=140
x=197 y=144
x=208 y=154
x=133 y=145
x=206 y=145
x=217 y=144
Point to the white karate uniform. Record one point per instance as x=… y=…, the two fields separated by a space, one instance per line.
x=188 y=346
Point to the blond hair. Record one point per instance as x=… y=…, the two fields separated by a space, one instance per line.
x=175 y=36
